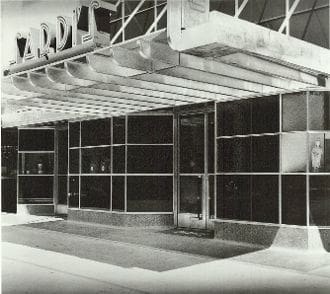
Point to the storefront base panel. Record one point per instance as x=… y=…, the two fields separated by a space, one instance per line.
x=289 y=237
x=35 y=209
x=121 y=219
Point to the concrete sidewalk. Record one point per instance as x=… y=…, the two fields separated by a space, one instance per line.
x=41 y=256
x=32 y=270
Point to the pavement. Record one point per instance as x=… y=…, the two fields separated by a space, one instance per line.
x=57 y=256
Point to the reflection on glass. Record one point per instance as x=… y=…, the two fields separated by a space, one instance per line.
x=36 y=187
x=294 y=200
x=95 y=132
x=62 y=190
x=74 y=161
x=95 y=192
x=36 y=163
x=294 y=152
x=118 y=130
x=159 y=197
x=74 y=134
x=118 y=155
x=234 y=154
x=73 y=195
x=234 y=118
x=265 y=154
x=265 y=199
x=150 y=129
x=95 y=160
x=265 y=115
x=294 y=112
x=319 y=111
x=149 y=159
x=191 y=195
x=36 y=139
x=118 y=193
x=319 y=195
x=233 y=197
x=192 y=144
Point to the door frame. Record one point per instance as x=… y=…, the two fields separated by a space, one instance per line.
x=203 y=109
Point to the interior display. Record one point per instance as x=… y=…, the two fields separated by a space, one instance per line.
x=316 y=155
x=36 y=163
x=95 y=160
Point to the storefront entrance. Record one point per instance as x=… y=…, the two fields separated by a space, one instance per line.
x=195 y=164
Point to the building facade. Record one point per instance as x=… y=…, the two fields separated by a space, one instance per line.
x=172 y=126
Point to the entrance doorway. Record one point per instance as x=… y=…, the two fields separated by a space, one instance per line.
x=195 y=168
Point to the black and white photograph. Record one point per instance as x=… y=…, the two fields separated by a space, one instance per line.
x=165 y=146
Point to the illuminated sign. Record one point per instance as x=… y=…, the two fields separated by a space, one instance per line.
x=88 y=23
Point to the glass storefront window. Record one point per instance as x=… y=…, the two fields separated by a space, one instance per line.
x=62 y=190
x=74 y=134
x=234 y=118
x=36 y=139
x=234 y=154
x=294 y=152
x=150 y=129
x=319 y=195
x=294 y=200
x=150 y=193
x=118 y=124
x=95 y=160
x=63 y=152
x=150 y=159
x=192 y=144
x=95 y=192
x=35 y=187
x=264 y=194
x=211 y=143
x=319 y=111
x=118 y=157
x=118 y=193
x=95 y=132
x=234 y=197
x=294 y=112
x=73 y=196
x=265 y=115
x=265 y=154
x=74 y=161
x=191 y=194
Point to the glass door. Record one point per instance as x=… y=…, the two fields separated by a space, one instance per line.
x=193 y=171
